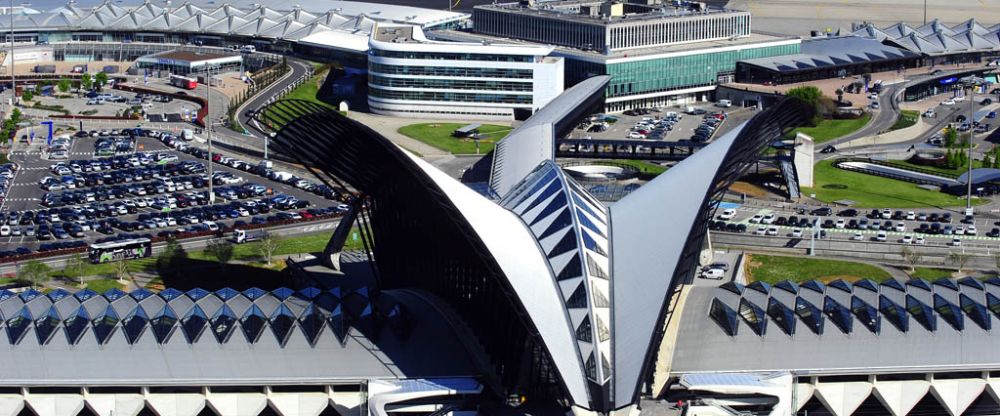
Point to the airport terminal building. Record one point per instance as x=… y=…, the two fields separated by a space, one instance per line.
x=656 y=55
x=412 y=76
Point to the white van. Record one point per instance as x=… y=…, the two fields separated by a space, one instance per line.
x=248 y=49
x=714 y=274
x=724 y=103
x=187 y=134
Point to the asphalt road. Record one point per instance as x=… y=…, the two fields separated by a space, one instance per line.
x=299 y=69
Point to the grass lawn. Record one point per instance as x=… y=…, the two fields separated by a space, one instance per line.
x=309 y=89
x=956 y=171
x=439 y=136
x=773 y=269
x=870 y=191
x=906 y=119
x=930 y=273
x=644 y=167
x=103 y=285
x=831 y=129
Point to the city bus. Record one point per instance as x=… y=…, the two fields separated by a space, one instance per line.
x=120 y=250
x=183 y=82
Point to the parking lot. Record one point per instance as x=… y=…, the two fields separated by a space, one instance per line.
x=622 y=128
x=111 y=102
x=158 y=188
x=923 y=227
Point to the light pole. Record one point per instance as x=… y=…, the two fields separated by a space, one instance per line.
x=13 y=86
x=208 y=128
x=970 y=85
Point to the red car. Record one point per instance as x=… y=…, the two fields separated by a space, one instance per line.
x=305 y=214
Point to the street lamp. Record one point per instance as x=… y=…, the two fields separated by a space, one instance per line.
x=13 y=86
x=208 y=126
x=970 y=84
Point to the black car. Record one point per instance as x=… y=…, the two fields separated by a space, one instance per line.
x=822 y=212
x=986 y=101
x=850 y=212
x=828 y=149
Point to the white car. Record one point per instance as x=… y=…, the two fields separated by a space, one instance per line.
x=858 y=237
x=796 y=233
x=840 y=223
x=881 y=236
x=910 y=215
x=960 y=230
x=971 y=230
x=907 y=239
x=772 y=231
x=920 y=240
x=714 y=274
x=768 y=219
x=956 y=242
x=760 y=231
x=948 y=102
x=727 y=214
x=900 y=227
x=756 y=219
x=5 y=230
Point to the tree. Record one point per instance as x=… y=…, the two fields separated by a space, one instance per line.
x=34 y=272
x=811 y=95
x=986 y=160
x=27 y=95
x=101 y=78
x=267 y=245
x=950 y=136
x=75 y=266
x=86 y=82
x=959 y=259
x=911 y=256
x=64 y=85
x=840 y=95
x=123 y=269
x=168 y=263
x=221 y=249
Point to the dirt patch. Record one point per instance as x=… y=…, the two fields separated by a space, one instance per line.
x=749 y=189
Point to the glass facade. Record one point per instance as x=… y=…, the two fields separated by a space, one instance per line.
x=450 y=84
x=450 y=71
x=672 y=73
x=449 y=96
x=451 y=56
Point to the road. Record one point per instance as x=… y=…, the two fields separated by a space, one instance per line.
x=59 y=262
x=299 y=69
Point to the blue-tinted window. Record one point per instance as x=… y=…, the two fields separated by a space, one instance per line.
x=866 y=284
x=253 y=323
x=579 y=297
x=591 y=244
x=574 y=268
x=724 y=316
x=949 y=312
x=919 y=283
x=222 y=324
x=553 y=187
x=754 y=317
x=253 y=293
x=975 y=311
x=588 y=224
x=893 y=283
x=584 y=332
x=312 y=322
x=788 y=286
x=283 y=293
x=170 y=294
x=193 y=324
x=838 y=314
x=105 y=325
x=866 y=314
x=760 y=287
x=29 y=295
x=970 y=282
x=6 y=294
x=782 y=316
x=309 y=293
x=46 y=326
x=282 y=322
x=810 y=315
x=76 y=325
x=993 y=304
x=921 y=313
x=995 y=281
x=557 y=203
x=114 y=294
x=197 y=293
x=339 y=324
x=140 y=294
x=18 y=325
x=560 y=223
x=226 y=293
x=948 y=283
x=134 y=324
x=813 y=285
x=84 y=294
x=163 y=324
x=567 y=243
x=894 y=313
x=57 y=294
x=732 y=287
x=840 y=284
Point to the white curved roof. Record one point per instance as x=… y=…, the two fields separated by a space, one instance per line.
x=263 y=19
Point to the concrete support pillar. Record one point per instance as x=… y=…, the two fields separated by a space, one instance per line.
x=347 y=403
x=175 y=404
x=803 y=392
x=901 y=396
x=117 y=404
x=843 y=398
x=956 y=395
x=55 y=404
x=11 y=404
x=237 y=404
x=295 y=404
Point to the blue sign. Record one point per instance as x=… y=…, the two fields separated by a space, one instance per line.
x=947 y=81
x=49 y=124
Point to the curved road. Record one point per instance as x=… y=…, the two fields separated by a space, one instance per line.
x=299 y=69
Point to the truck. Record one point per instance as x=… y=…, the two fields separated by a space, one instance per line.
x=187 y=134
x=281 y=176
x=244 y=236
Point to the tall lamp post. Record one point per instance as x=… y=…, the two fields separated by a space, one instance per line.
x=208 y=128
x=13 y=86
x=970 y=84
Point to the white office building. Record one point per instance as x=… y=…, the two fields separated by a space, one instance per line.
x=410 y=75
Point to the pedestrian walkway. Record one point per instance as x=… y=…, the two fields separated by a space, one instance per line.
x=389 y=127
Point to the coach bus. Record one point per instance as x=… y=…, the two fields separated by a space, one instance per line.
x=120 y=250
x=183 y=82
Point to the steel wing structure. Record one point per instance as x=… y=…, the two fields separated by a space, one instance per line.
x=566 y=296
